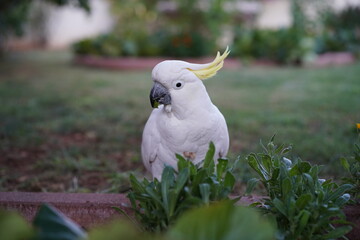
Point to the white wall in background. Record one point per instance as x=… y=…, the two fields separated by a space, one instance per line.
x=68 y=24
x=274 y=14
x=277 y=13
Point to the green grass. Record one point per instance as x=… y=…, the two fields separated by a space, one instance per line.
x=80 y=118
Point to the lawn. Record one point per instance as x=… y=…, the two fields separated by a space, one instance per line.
x=70 y=128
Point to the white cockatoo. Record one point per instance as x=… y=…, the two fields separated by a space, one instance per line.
x=184 y=120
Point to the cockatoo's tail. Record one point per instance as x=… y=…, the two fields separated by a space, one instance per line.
x=159 y=93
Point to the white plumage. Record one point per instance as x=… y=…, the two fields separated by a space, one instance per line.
x=186 y=121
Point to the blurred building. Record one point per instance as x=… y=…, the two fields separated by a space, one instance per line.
x=58 y=27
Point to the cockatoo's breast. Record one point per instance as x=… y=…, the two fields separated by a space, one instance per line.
x=192 y=134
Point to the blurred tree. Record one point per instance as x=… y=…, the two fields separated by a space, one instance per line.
x=14 y=15
x=172 y=28
x=135 y=21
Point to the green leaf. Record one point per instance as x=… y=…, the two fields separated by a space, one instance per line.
x=275 y=174
x=229 y=180
x=272 y=139
x=53 y=225
x=181 y=179
x=303 y=200
x=167 y=180
x=286 y=186
x=154 y=197
x=173 y=198
x=123 y=212
x=286 y=150
x=221 y=167
x=251 y=185
x=304 y=219
x=14 y=227
x=337 y=232
x=116 y=230
x=199 y=177
x=345 y=163
x=221 y=221
x=209 y=158
x=136 y=185
x=338 y=192
x=279 y=205
x=251 y=159
x=304 y=167
x=205 y=192
x=309 y=179
x=266 y=161
x=182 y=162
x=342 y=199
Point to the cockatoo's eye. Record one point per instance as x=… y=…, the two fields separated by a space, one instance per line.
x=178 y=84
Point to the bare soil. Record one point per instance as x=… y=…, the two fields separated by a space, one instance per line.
x=28 y=168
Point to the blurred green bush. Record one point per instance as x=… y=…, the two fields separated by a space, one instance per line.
x=187 y=30
x=341 y=32
x=282 y=45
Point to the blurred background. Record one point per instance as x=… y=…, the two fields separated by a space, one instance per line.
x=66 y=127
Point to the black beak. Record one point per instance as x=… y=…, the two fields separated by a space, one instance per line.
x=159 y=95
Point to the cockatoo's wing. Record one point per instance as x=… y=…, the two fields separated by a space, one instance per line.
x=221 y=140
x=150 y=142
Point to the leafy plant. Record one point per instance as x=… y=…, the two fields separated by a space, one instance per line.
x=53 y=225
x=284 y=46
x=222 y=221
x=14 y=227
x=157 y=204
x=226 y=220
x=352 y=165
x=305 y=207
x=340 y=31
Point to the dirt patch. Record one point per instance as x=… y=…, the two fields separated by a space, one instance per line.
x=35 y=170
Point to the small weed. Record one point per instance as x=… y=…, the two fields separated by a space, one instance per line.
x=352 y=166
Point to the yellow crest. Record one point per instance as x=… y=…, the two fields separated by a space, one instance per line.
x=211 y=69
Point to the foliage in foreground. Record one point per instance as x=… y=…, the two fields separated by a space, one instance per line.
x=305 y=207
x=193 y=203
x=352 y=165
x=226 y=220
x=157 y=204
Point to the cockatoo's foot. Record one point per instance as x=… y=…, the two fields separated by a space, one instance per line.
x=190 y=155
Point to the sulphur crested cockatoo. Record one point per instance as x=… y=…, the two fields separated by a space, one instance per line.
x=184 y=120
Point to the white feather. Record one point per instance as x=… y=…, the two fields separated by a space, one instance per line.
x=188 y=125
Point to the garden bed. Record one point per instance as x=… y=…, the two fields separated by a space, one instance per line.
x=133 y=63
x=140 y=63
x=92 y=209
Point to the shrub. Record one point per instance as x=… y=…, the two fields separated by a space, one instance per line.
x=305 y=207
x=107 y=45
x=352 y=166
x=161 y=43
x=190 y=44
x=157 y=204
x=341 y=32
x=226 y=220
x=284 y=46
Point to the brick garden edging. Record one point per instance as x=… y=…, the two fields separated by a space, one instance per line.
x=91 y=209
x=86 y=209
x=145 y=63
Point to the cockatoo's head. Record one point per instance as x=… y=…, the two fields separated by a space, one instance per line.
x=179 y=81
